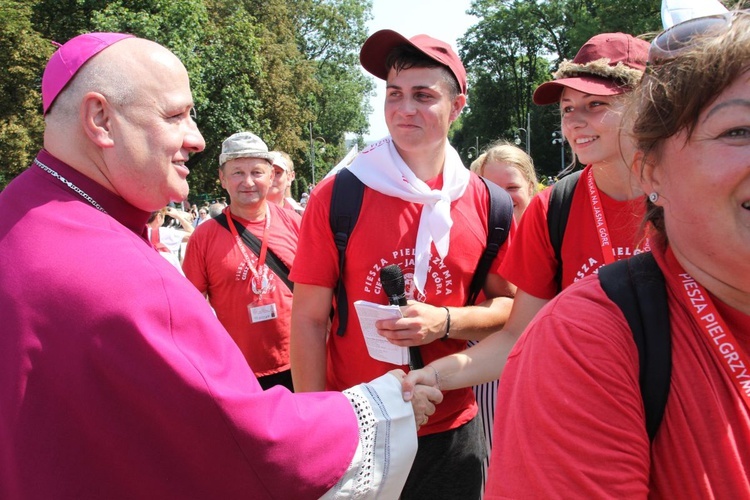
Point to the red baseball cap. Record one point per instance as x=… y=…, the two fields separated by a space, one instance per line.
x=376 y=49
x=608 y=64
x=65 y=63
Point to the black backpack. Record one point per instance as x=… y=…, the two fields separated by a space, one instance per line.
x=558 y=211
x=346 y=202
x=637 y=286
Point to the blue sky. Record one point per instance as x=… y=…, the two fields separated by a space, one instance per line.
x=446 y=20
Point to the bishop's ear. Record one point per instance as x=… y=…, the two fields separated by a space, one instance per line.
x=96 y=119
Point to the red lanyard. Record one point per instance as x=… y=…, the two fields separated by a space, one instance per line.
x=599 y=219
x=262 y=281
x=730 y=354
x=602 y=229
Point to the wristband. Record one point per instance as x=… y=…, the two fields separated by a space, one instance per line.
x=447 y=324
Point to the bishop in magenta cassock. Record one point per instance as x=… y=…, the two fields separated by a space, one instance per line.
x=116 y=379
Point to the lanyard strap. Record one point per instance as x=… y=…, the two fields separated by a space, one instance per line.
x=156 y=241
x=602 y=229
x=730 y=354
x=262 y=281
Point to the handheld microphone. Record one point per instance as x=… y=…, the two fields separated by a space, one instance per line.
x=392 y=279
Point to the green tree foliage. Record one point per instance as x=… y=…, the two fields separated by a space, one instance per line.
x=504 y=54
x=278 y=67
x=636 y=17
x=225 y=91
x=286 y=75
x=22 y=52
x=330 y=34
x=249 y=64
x=61 y=20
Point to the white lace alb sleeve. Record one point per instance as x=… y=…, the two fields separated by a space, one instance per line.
x=387 y=442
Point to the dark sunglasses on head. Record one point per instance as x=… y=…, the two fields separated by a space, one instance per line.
x=673 y=41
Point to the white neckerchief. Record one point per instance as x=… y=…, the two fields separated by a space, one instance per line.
x=381 y=168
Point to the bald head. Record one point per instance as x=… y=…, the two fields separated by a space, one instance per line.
x=118 y=73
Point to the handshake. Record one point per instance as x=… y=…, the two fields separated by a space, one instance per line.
x=422 y=390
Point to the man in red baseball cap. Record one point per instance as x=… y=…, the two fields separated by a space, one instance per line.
x=435 y=213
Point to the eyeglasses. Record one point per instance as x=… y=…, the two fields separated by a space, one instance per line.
x=673 y=41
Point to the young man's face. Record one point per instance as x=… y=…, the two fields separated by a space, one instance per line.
x=419 y=108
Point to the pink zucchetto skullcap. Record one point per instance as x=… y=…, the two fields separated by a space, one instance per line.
x=65 y=63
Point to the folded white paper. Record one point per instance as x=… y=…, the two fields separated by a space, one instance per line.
x=378 y=346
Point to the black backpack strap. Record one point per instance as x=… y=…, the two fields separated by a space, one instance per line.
x=346 y=202
x=253 y=243
x=558 y=211
x=499 y=219
x=637 y=286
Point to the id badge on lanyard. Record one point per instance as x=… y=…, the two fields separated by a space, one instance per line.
x=263 y=308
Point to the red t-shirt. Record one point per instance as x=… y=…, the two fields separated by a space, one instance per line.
x=571 y=422
x=531 y=264
x=385 y=234
x=215 y=265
